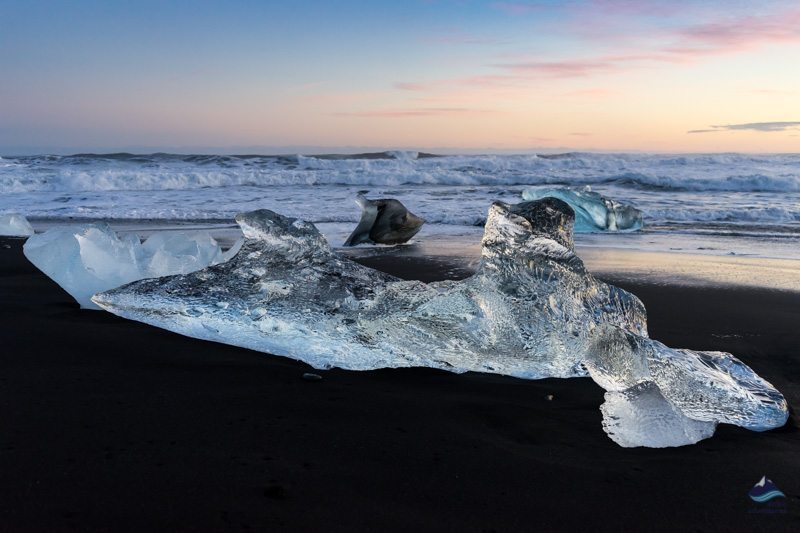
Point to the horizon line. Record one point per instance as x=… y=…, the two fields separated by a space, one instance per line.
x=315 y=150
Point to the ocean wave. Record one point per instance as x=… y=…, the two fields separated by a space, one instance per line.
x=740 y=183
x=702 y=191
x=726 y=214
x=123 y=171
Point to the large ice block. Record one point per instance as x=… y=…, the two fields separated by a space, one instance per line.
x=531 y=310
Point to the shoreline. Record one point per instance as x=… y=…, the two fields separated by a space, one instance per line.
x=688 y=239
x=682 y=269
x=678 y=259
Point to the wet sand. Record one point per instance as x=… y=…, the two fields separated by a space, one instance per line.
x=111 y=425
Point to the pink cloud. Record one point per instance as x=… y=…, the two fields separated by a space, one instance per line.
x=746 y=31
x=684 y=45
x=484 y=80
x=492 y=80
x=647 y=47
x=584 y=67
x=561 y=69
x=407 y=86
x=593 y=7
x=592 y=92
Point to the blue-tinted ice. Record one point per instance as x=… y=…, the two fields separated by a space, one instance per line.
x=90 y=258
x=15 y=225
x=593 y=212
x=531 y=310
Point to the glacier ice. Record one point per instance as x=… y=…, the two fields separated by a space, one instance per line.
x=15 y=225
x=593 y=212
x=531 y=310
x=641 y=416
x=166 y=253
x=91 y=258
x=385 y=221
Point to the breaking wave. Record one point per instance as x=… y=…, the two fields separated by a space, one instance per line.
x=117 y=172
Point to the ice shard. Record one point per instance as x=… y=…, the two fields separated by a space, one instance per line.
x=531 y=310
x=15 y=225
x=593 y=212
x=91 y=258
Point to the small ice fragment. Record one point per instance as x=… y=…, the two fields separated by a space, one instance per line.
x=310 y=376
x=641 y=416
x=15 y=225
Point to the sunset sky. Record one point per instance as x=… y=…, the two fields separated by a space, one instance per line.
x=680 y=76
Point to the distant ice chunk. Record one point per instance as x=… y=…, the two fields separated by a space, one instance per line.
x=88 y=259
x=531 y=310
x=15 y=225
x=384 y=221
x=593 y=212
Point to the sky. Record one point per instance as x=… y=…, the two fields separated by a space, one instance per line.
x=447 y=75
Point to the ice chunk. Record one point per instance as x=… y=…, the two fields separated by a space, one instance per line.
x=593 y=212
x=166 y=253
x=15 y=225
x=232 y=251
x=88 y=259
x=614 y=359
x=715 y=386
x=84 y=260
x=641 y=416
x=385 y=221
x=704 y=386
x=531 y=310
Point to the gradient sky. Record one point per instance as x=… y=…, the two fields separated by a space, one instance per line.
x=683 y=75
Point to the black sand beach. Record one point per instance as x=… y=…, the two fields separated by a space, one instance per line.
x=111 y=425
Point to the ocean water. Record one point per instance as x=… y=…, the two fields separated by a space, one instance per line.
x=715 y=203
